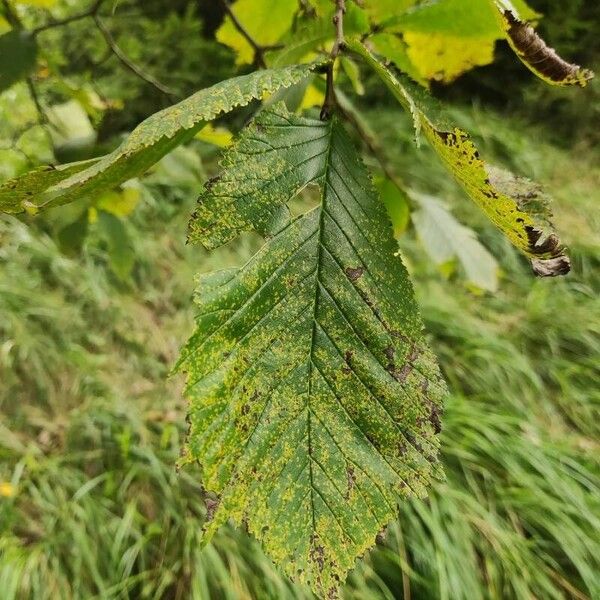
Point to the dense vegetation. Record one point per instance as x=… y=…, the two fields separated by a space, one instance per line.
x=95 y=305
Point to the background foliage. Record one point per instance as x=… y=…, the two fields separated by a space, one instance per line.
x=94 y=300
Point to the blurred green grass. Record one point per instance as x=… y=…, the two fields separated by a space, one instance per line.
x=91 y=505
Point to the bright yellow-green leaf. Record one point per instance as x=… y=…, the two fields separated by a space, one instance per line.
x=265 y=20
x=518 y=216
x=444 y=57
x=119 y=203
x=381 y=10
x=217 y=136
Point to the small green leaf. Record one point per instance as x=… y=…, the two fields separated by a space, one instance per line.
x=314 y=398
x=525 y=228
x=18 y=56
x=147 y=144
x=71 y=237
x=396 y=202
x=445 y=239
x=120 y=249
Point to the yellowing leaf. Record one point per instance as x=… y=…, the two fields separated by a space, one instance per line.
x=527 y=229
x=265 y=20
x=444 y=57
x=37 y=3
x=217 y=136
x=119 y=203
x=312 y=97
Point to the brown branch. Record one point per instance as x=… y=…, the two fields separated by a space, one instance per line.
x=338 y=22
x=91 y=12
x=10 y=15
x=259 y=51
x=129 y=64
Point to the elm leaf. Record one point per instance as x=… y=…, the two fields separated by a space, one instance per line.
x=315 y=401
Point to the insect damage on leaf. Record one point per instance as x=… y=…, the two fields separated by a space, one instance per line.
x=537 y=56
x=150 y=141
x=527 y=229
x=314 y=400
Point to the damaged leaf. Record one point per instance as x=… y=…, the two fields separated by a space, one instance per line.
x=147 y=144
x=525 y=228
x=315 y=401
x=535 y=54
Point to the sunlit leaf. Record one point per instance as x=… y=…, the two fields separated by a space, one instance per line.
x=265 y=20
x=445 y=57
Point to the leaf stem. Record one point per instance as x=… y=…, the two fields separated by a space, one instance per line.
x=135 y=69
x=90 y=12
x=338 y=22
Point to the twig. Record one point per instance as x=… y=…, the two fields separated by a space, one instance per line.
x=338 y=21
x=91 y=12
x=116 y=50
x=10 y=15
x=259 y=51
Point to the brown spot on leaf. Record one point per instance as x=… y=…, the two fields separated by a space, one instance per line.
x=317 y=553
x=434 y=419
x=348 y=358
x=351 y=479
x=211 y=507
x=354 y=273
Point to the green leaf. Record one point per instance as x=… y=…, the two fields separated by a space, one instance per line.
x=397 y=203
x=314 y=399
x=19 y=194
x=120 y=248
x=510 y=212
x=148 y=143
x=446 y=38
x=18 y=55
x=445 y=239
x=317 y=33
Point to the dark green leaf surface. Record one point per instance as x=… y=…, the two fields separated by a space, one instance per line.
x=18 y=55
x=314 y=399
x=150 y=141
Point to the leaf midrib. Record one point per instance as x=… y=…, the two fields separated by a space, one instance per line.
x=320 y=245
